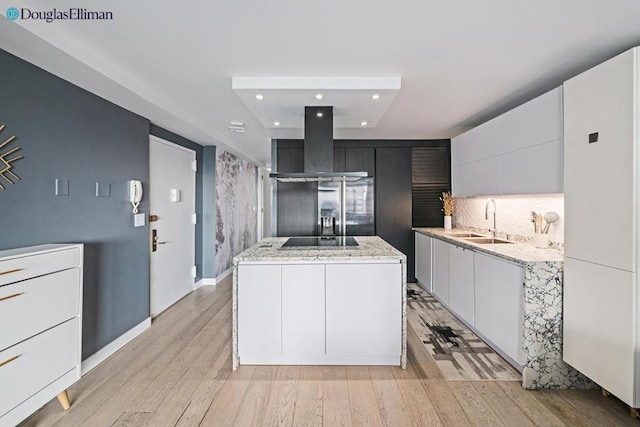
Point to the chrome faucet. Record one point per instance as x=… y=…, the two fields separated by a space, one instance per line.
x=493 y=230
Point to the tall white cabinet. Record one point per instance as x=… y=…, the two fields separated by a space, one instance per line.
x=601 y=298
x=40 y=327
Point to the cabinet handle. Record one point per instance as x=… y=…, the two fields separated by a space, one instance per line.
x=9 y=297
x=11 y=271
x=6 y=362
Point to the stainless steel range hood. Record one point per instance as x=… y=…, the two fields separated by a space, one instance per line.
x=318 y=151
x=318 y=176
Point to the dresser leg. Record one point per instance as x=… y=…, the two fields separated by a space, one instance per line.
x=605 y=393
x=633 y=412
x=63 y=398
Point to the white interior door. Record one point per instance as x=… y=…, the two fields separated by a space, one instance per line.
x=172 y=198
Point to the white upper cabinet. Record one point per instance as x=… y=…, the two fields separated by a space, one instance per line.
x=520 y=152
x=534 y=170
x=476 y=144
x=476 y=178
x=536 y=122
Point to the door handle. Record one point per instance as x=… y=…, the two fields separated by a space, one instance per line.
x=154 y=241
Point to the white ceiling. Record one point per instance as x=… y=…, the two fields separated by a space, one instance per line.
x=278 y=102
x=461 y=62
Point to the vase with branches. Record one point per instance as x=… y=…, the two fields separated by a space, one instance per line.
x=448 y=206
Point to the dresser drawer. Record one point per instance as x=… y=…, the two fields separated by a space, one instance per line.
x=16 y=269
x=28 y=367
x=31 y=306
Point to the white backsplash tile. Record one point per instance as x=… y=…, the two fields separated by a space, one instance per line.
x=513 y=214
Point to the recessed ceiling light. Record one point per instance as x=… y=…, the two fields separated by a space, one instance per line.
x=363 y=123
x=259 y=97
x=319 y=114
x=319 y=96
x=375 y=96
x=276 y=123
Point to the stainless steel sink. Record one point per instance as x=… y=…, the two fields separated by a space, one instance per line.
x=464 y=235
x=486 y=240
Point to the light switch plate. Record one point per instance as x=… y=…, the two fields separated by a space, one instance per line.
x=62 y=187
x=103 y=189
x=175 y=195
x=139 y=220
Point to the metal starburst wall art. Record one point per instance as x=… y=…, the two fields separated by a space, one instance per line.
x=5 y=162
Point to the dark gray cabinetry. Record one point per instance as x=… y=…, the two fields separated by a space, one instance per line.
x=393 y=200
x=297 y=203
x=354 y=159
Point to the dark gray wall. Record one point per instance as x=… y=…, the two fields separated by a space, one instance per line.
x=209 y=212
x=66 y=132
x=201 y=258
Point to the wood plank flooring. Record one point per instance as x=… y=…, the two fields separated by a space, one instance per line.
x=178 y=373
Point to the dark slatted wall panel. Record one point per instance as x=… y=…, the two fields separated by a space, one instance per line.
x=431 y=175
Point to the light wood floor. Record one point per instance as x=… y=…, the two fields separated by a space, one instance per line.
x=178 y=373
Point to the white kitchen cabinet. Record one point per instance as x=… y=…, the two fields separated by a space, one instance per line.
x=498 y=303
x=320 y=313
x=423 y=262
x=533 y=170
x=600 y=177
x=303 y=312
x=259 y=313
x=441 y=270
x=535 y=122
x=519 y=152
x=599 y=324
x=461 y=289
x=476 y=144
x=601 y=304
x=40 y=327
x=364 y=310
x=477 y=178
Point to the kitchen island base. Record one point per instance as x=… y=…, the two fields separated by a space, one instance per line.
x=320 y=311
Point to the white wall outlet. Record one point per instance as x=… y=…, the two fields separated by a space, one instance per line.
x=175 y=195
x=139 y=220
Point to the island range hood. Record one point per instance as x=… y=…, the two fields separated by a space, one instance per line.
x=318 y=151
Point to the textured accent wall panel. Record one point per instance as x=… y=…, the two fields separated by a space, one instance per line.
x=513 y=213
x=236 y=208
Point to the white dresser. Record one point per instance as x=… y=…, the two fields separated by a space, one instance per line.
x=40 y=327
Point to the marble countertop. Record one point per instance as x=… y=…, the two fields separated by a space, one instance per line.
x=521 y=253
x=268 y=250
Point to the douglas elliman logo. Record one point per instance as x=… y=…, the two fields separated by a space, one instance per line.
x=71 y=14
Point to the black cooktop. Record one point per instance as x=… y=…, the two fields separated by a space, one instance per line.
x=321 y=242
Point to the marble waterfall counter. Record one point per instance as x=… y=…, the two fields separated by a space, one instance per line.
x=542 y=364
x=310 y=305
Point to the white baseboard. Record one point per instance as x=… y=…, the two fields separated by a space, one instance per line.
x=103 y=354
x=224 y=275
x=197 y=284
x=215 y=280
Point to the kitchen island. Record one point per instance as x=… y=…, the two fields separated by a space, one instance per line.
x=311 y=305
